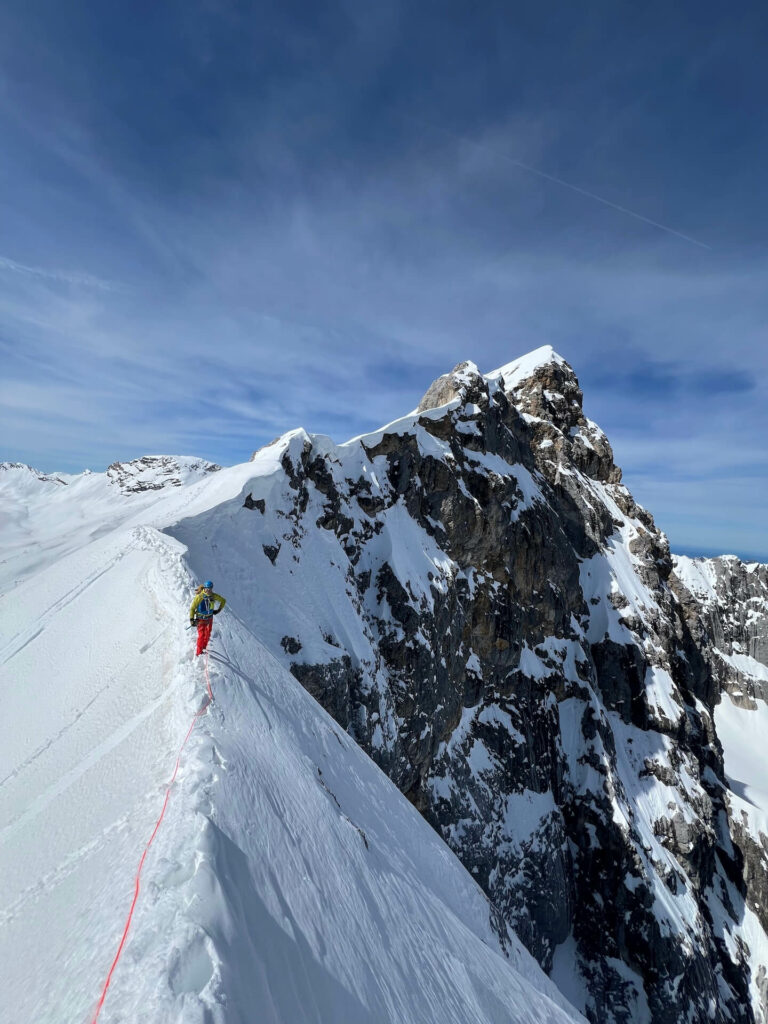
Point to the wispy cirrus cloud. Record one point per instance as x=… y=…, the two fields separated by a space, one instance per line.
x=260 y=230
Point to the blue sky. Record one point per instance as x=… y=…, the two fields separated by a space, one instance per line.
x=223 y=220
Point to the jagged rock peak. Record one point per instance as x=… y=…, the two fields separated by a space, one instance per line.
x=466 y=377
x=543 y=385
x=542 y=370
x=544 y=389
x=464 y=382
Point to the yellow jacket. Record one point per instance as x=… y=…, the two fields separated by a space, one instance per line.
x=207 y=609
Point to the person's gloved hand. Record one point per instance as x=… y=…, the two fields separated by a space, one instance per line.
x=192 y=622
x=217 y=611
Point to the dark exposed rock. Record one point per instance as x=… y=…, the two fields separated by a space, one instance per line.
x=290 y=645
x=271 y=551
x=335 y=686
x=621 y=678
x=259 y=504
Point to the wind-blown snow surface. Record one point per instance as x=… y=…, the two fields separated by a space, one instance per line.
x=290 y=881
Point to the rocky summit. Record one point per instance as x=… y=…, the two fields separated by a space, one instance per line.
x=476 y=598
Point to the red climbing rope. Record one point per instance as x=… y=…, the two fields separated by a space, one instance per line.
x=197 y=715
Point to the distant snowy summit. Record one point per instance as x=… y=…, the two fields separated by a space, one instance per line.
x=148 y=473
x=23 y=472
x=154 y=472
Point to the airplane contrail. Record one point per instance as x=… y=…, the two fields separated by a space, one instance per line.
x=560 y=181
x=65 y=276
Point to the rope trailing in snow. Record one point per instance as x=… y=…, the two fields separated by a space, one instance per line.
x=198 y=714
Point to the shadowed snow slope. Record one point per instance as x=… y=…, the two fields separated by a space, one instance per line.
x=290 y=881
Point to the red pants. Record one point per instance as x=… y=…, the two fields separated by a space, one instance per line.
x=204 y=627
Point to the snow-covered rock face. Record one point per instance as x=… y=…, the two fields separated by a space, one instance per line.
x=477 y=599
x=726 y=605
x=725 y=602
x=153 y=472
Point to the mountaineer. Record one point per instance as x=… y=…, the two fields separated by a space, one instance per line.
x=202 y=611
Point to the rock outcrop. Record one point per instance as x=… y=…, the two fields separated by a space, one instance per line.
x=153 y=472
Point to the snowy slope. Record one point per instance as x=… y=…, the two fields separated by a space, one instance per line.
x=289 y=882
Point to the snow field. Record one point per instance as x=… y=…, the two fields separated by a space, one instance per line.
x=89 y=718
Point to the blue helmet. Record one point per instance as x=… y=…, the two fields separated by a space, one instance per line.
x=208 y=584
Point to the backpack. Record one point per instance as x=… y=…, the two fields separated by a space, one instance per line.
x=205 y=609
